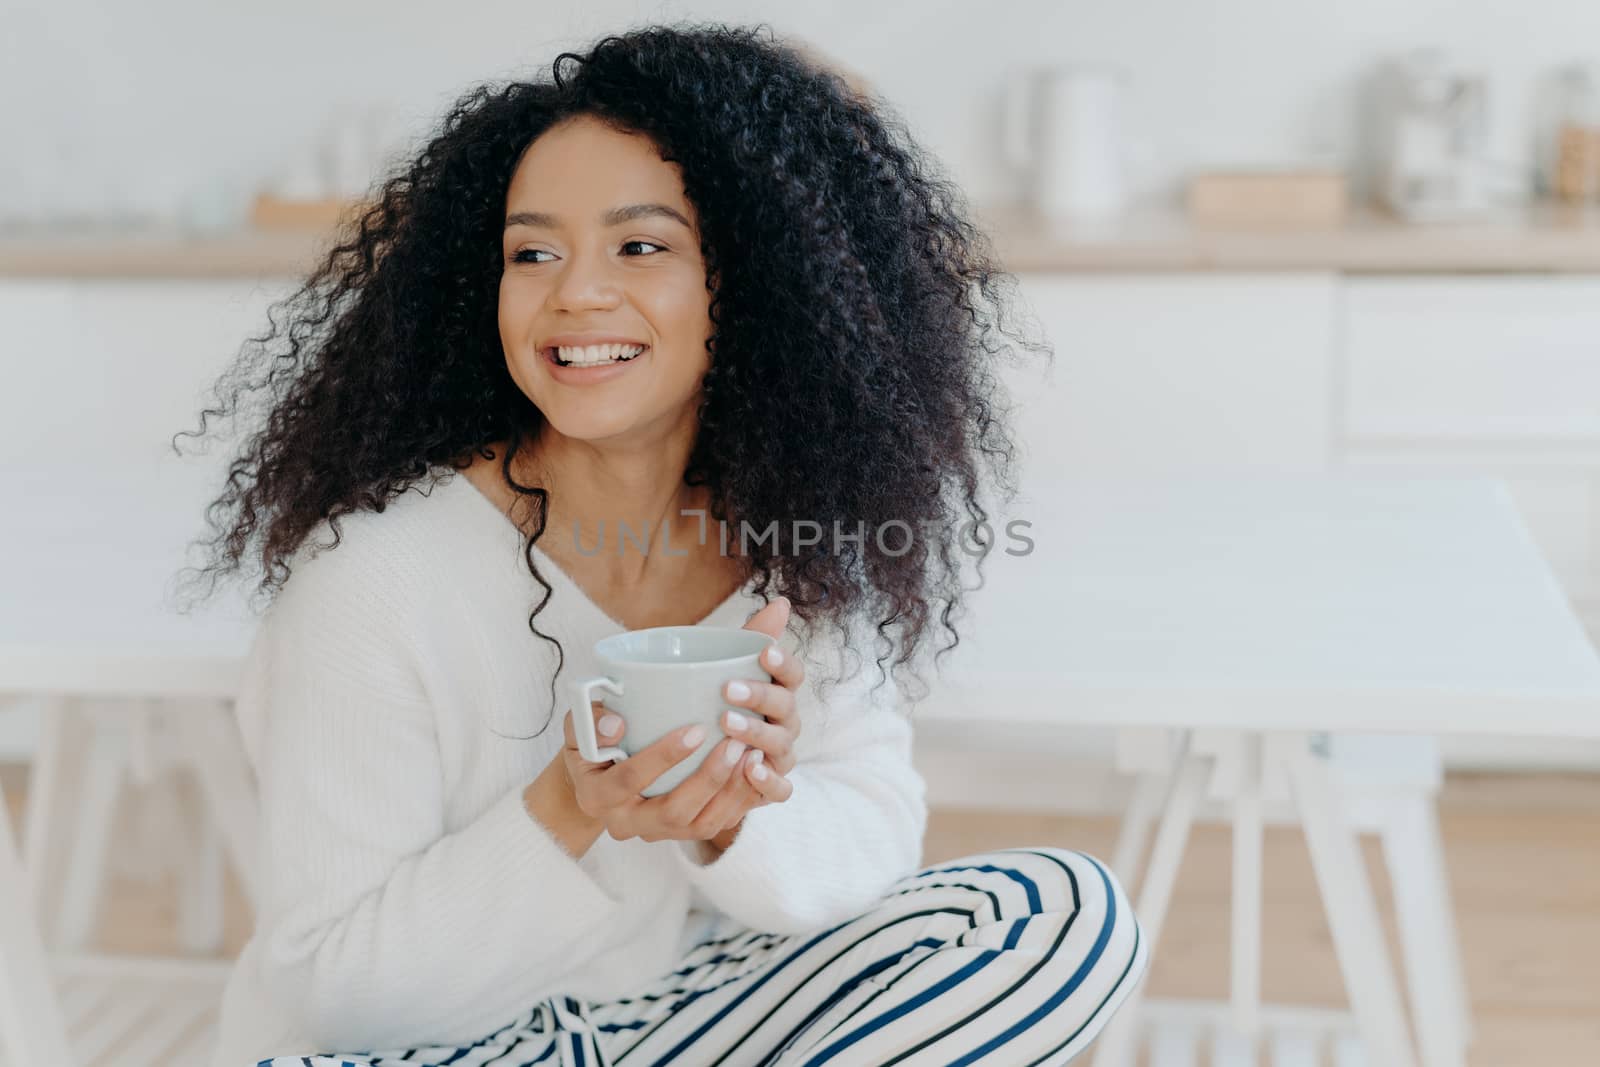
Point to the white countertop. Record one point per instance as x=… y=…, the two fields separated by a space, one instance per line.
x=1540 y=239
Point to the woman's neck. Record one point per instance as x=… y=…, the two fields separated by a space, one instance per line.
x=617 y=511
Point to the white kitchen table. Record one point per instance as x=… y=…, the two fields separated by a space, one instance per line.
x=1247 y=617
x=1276 y=602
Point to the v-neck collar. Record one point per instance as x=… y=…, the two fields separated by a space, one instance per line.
x=549 y=566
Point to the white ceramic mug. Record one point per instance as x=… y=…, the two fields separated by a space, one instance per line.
x=661 y=678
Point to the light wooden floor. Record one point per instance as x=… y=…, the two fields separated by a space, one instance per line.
x=1524 y=856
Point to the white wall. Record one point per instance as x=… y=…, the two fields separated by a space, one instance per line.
x=138 y=102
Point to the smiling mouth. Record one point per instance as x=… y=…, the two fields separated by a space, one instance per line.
x=593 y=355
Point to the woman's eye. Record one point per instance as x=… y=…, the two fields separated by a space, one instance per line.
x=525 y=255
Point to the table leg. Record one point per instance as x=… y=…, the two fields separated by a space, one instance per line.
x=1347 y=898
x=200 y=877
x=30 y=1018
x=1427 y=929
x=1118 y=1043
x=57 y=772
x=103 y=774
x=212 y=749
x=1133 y=838
x=1245 y=956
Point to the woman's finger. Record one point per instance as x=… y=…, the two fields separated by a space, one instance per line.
x=629 y=777
x=680 y=806
x=727 y=806
x=785 y=669
x=772 y=702
x=770 y=785
x=608 y=727
x=775 y=740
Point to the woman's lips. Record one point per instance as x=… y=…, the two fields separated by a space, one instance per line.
x=568 y=374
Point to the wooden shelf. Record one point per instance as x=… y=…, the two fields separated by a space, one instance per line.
x=1543 y=239
x=1539 y=239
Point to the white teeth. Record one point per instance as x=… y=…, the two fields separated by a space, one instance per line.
x=594 y=355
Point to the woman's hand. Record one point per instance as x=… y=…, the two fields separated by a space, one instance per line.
x=775 y=701
x=771 y=757
x=710 y=804
x=610 y=792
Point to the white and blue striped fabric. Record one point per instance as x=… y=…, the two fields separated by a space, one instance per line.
x=1013 y=957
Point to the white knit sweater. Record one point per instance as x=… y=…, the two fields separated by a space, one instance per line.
x=407 y=898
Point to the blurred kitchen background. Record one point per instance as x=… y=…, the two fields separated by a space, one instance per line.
x=1262 y=235
x=1266 y=234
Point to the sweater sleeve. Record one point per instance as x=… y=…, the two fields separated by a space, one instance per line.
x=852 y=826
x=368 y=906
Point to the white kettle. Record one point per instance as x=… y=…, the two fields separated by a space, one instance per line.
x=1063 y=130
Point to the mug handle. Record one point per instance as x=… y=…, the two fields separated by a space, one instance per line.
x=583 y=719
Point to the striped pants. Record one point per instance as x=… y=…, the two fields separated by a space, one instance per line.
x=1008 y=958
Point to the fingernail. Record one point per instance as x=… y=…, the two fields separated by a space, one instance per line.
x=774 y=657
x=610 y=724
x=693 y=736
x=759 y=772
x=735 y=722
x=756 y=757
x=735 y=750
x=738 y=691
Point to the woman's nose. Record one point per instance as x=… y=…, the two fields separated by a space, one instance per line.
x=585 y=281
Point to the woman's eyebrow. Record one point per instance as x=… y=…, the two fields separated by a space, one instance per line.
x=615 y=216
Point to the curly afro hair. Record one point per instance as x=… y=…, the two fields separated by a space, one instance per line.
x=856 y=316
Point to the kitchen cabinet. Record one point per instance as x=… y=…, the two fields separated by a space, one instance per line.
x=1498 y=359
x=1158 y=373
x=1163 y=373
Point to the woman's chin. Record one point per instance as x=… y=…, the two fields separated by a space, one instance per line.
x=586 y=422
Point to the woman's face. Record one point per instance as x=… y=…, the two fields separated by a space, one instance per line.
x=601 y=255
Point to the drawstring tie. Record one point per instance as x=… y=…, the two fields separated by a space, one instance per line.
x=577 y=1043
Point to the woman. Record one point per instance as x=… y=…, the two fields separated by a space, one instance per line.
x=690 y=284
